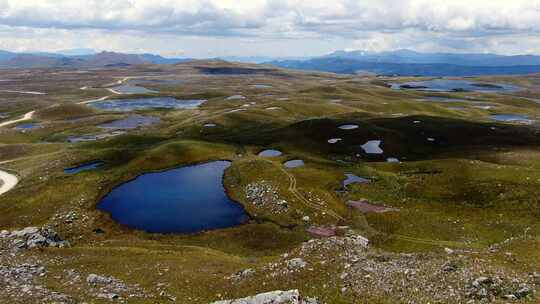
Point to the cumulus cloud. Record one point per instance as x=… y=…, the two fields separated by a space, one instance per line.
x=374 y=24
x=296 y=15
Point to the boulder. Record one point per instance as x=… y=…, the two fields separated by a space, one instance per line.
x=273 y=297
x=32 y=237
x=95 y=279
x=296 y=263
x=24 y=232
x=523 y=292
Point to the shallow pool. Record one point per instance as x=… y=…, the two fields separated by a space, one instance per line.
x=454 y=85
x=84 y=167
x=353 y=179
x=131 y=104
x=510 y=117
x=270 y=153
x=28 y=126
x=295 y=163
x=132 y=122
x=348 y=127
x=372 y=147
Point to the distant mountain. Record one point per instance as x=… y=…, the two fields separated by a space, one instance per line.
x=408 y=56
x=410 y=63
x=5 y=55
x=79 y=59
x=258 y=59
x=156 y=59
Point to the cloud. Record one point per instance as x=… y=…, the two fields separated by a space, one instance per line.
x=373 y=24
x=213 y=17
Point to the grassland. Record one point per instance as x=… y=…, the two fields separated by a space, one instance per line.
x=476 y=186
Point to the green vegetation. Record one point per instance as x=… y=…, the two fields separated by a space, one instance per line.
x=475 y=185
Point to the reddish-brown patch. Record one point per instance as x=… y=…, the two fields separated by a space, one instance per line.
x=322 y=231
x=365 y=207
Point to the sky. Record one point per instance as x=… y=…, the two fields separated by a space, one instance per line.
x=275 y=28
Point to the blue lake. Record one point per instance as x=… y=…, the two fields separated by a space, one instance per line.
x=295 y=163
x=262 y=86
x=84 y=167
x=353 y=179
x=132 y=122
x=28 y=126
x=510 y=117
x=270 y=153
x=452 y=85
x=131 y=104
x=181 y=200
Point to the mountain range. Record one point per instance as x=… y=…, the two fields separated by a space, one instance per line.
x=411 y=63
x=400 y=62
x=81 y=58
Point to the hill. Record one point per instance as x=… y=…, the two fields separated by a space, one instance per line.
x=58 y=60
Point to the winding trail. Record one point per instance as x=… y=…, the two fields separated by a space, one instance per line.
x=114 y=91
x=299 y=196
x=7 y=181
x=292 y=188
x=26 y=116
x=94 y=100
x=23 y=92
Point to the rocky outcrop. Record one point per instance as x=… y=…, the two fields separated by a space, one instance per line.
x=32 y=237
x=296 y=264
x=273 y=297
x=266 y=196
x=95 y=279
x=18 y=282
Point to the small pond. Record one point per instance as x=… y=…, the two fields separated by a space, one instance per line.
x=84 y=167
x=483 y=107
x=28 y=126
x=334 y=140
x=510 y=117
x=236 y=97
x=270 y=153
x=348 y=127
x=182 y=200
x=147 y=103
x=132 y=122
x=262 y=86
x=452 y=85
x=353 y=179
x=295 y=163
x=372 y=147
